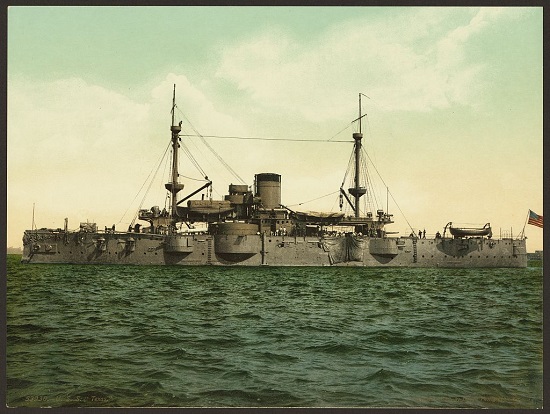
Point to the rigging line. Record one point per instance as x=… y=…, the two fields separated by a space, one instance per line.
x=401 y=211
x=262 y=138
x=200 y=150
x=189 y=154
x=338 y=133
x=348 y=168
x=367 y=155
x=144 y=182
x=194 y=179
x=336 y=201
x=148 y=188
x=326 y=195
x=167 y=165
x=383 y=182
x=265 y=139
x=213 y=151
x=213 y=189
x=192 y=159
x=373 y=196
x=225 y=164
x=367 y=172
x=194 y=148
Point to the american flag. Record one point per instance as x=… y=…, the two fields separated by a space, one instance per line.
x=535 y=219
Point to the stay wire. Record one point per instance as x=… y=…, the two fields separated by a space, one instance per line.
x=227 y=166
x=144 y=182
x=338 y=133
x=390 y=193
x=265 y=138
x=318 y=198
x=192 y=159
x=350 y=162
x=194 y=179
x=149 y=187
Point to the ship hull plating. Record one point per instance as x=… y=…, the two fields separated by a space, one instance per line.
x=264 y=250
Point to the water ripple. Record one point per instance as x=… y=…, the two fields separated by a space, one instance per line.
x=115 y=336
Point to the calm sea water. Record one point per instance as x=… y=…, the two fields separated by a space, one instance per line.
x=273 y=337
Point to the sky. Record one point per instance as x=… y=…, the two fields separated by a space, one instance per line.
x=453 y=98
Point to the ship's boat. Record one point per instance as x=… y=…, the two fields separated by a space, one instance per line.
x=251 y=227
x=319 y=216
x=484 y=231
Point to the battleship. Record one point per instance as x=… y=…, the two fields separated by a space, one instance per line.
x=251 y=227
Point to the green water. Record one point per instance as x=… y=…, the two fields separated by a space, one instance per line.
x=113 y=336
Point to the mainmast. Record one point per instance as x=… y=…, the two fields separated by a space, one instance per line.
x=174 y=186
x=357 y=191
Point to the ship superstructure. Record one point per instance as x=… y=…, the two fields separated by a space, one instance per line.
x=251 y=227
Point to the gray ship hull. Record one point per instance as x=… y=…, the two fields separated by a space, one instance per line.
x=121 y=248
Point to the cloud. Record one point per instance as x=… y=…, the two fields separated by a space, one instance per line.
x=65 y=120
x=450 y=49
x=193 y=107
x=74 y=124
x=405 y=63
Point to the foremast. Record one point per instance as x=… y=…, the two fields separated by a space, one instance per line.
x=358 y=191
x=165 y=222
x=174 y=186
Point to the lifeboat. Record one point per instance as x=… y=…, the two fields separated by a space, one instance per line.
x=319 y=217
x=471 y=231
